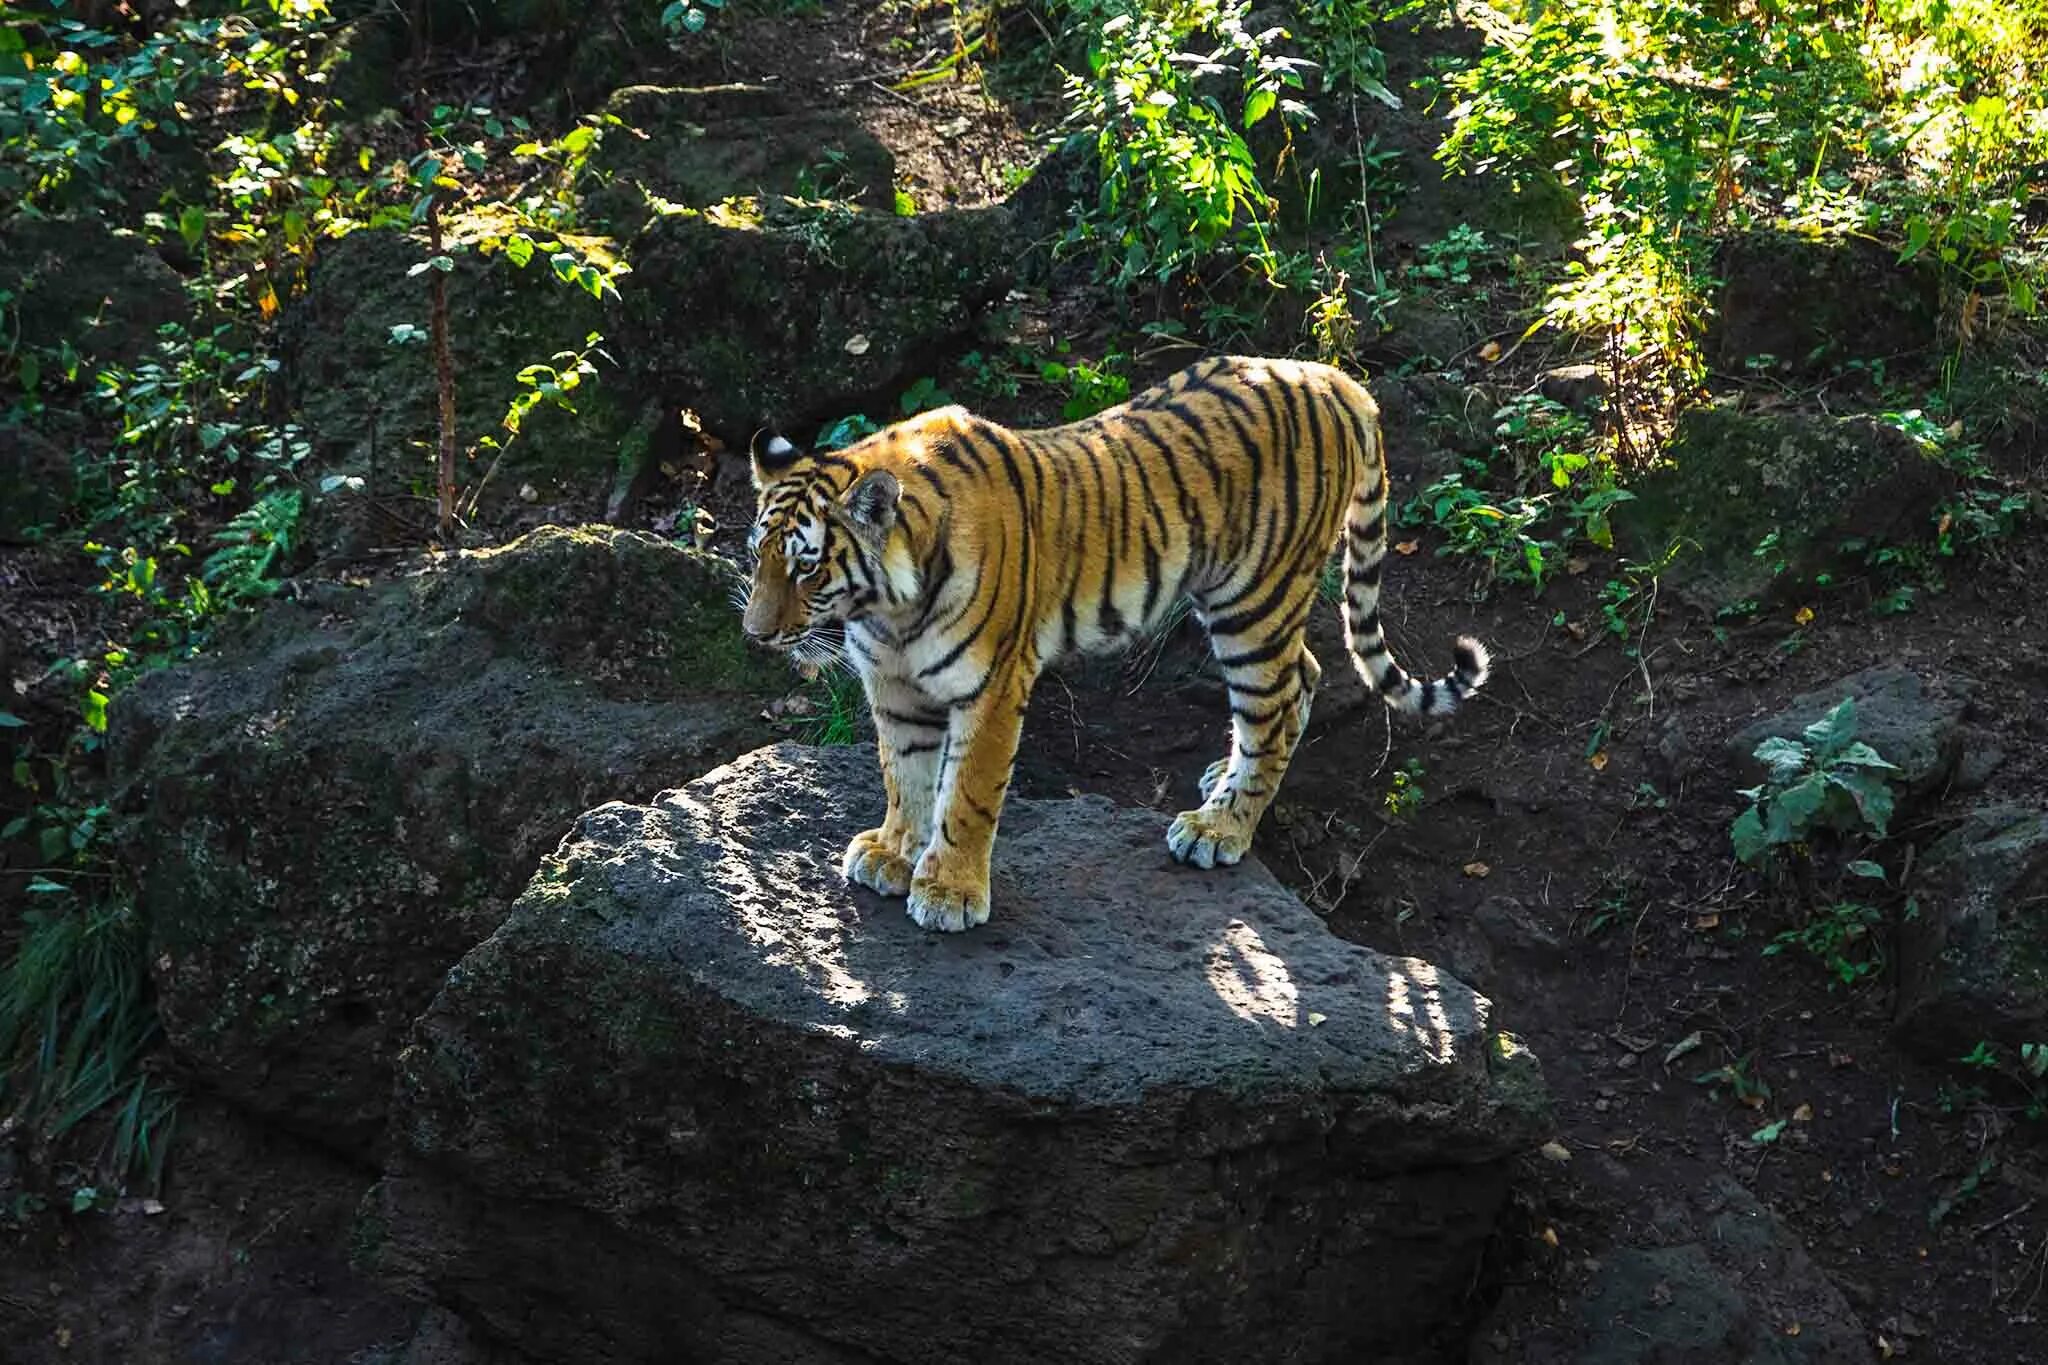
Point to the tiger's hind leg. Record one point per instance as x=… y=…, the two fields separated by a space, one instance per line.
x=1269 y=709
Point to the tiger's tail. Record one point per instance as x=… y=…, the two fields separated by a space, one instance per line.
x=1365 y=549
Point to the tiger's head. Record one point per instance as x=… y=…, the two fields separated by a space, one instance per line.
x=826 y=542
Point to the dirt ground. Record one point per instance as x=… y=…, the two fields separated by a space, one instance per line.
x=1569 y=856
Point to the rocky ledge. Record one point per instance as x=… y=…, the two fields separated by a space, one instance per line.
x=697 y=1099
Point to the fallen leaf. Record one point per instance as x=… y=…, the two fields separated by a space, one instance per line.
x=1803 y=1114
x=1575 y=566
x=1554 y=1150
x=1550 y=1237
x=1754 y=1101
x=1490 y=352
x=857 y=344
x=1599 y=761
x=1575 y=629
x=1803 y=617
x=1407 y=547
x=1710 y=920
x=1477 y=869
x=1315 y=1019
x=528 y=493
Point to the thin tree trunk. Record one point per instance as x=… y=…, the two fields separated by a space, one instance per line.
x=444 y=375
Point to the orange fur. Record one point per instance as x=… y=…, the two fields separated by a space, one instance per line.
x=963 y=557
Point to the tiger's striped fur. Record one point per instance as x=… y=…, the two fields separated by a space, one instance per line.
x=963 y=557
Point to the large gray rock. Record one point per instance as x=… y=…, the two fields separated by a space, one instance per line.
x=332 y=810
x=846 y=303
x=1809 y=304
x=1716 y=1279
x=1973 y=963
x=1915 y=722
x=1744 y=1291
x=77 y=281
x=1757 y=505
x=705 y=1102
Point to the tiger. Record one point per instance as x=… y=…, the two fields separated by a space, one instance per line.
x=961 y=558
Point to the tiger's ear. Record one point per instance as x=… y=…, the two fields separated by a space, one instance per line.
x=871 y=503
x=772 y=457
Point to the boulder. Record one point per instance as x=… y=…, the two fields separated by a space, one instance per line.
x=1915 y=722
x=1760 y=504
x=331 y=810
x=1810 y=303
x=1973 y=963
x=846 y=304
x=1744 y=1291
x=698 y=147
x=706 y=1102
x=35 y=479
x=79 y=281
x=1717 y=1278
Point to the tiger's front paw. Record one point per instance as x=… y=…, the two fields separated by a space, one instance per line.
x=947 y=905
x=1207 y=838
x=873 y=861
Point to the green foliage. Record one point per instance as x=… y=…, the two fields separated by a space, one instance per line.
x=844 y=432
x=687 y=18
x=1670 y=124
x=1090 y=387
x=1404 y=791
x=837 y=708
x=1550 y=486
x=1842 y=937
x=81 y=105
x=75 y=1020
x=1826 y=780
x=1168 y=93
x=922 y=396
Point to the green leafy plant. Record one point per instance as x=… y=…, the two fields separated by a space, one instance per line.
x=75 y=1020
x=1826 y=780
x=687 y=18
x=1842 y=937
x=844 y=432
x=1404 y=791
x=1167 y=95
x=1090 y=387
x=922 y=396
x=838 y=708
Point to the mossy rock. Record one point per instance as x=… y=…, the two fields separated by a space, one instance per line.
x=35 y=477
x=584 y=48
x=1974 y=961
x=696 y=147
x=1812 y=303
x=332 y=808
x=1759 y=504
x=369 y=403
x=805 y=313
x=79 y=281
